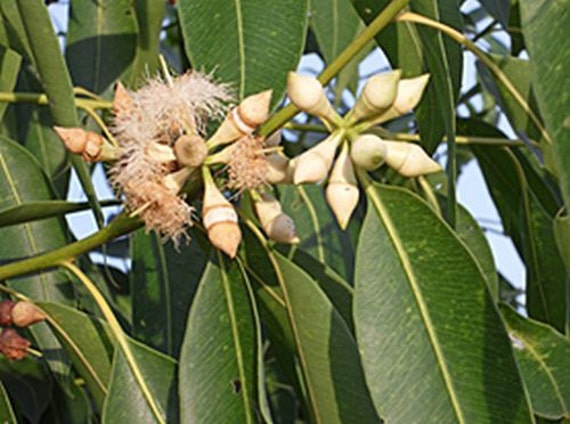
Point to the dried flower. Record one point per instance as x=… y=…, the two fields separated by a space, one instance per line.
x=6 y=312
x=160 y=113
x=247 y=165
x=12 y=345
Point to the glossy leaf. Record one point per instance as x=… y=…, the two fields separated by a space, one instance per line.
x=125 y=401
x=101 y=42
x=87 y=342
x=327 y=352
x=6 y=412
x=252 y=44
x=543 y=357
x=163 y=283
x=218 y=361
x=13 y=32
x=525 y=219
x=317 y=227
x=423 y=314
x=9 y=66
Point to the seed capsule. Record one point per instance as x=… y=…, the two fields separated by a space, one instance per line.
x=342 y=190
x=313 y=165
x=277 y=225
x=190 y=150
x=243 y=119
x=376 y=97
x=307 y=94
x=220 y=219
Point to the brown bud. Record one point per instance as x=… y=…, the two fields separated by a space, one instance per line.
x=25 y=314
x=12 y=345
x=5 y=312
x=190 y=150
x=122 y=102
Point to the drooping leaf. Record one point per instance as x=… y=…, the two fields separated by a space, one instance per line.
x=101 y=42
x=423 y=314
x=218 y=359
x=87 y=342
x=543 y=357
x=6 y=411
x=163 y=283
x=327 y=352
x=126 y=402
x=251 y=44
x=549 y=50
x=317 y=227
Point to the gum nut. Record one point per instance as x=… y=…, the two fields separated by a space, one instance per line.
x=409 y=160
x=306 y=92
x=190 y=150
x=225 y=236
x=282 y=230
x=254 y=109
x=367 y=152
x=343 y=199
x=25 y=314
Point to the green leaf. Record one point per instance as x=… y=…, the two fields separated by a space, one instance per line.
x=13 y=32
x=543 y=356
x=6 y=412
x=251 y=43
x=327 y=352
x=9 y=66
x=87 y=342
x=29 y=385
x=218 y=362
x=163 y=283
x=525 y=219
x=317 y=227
x=499 y=9
x=101 y=42
x=126 y=402
x=423 y=314
x=562 y=236
x=549 y=50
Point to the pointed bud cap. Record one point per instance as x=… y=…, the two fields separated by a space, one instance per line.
x=342 y=191
x=409 y=160
x=254 y=109
x=25 y=314
x=377 y=96
x=190 y=150
x=278 y=170
x=410 y=91
x=75 y=139
x=307 y=94
x=6 y=312
x=313 y=165
x=367 y=152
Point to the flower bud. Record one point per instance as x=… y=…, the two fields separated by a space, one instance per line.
x=313 y=165
x=408 y=159
x=342 y=190
x=92 y=146
x=25 y=314
x=376 y=97
x=220 y=219
x=243 y=119
x=277 y=225
x=6 y=312
x=279 y=170
x=12 y=345
x=410 y=91
x=307 y=94
x=367 y=152
x=190 y=150
x=122 y=102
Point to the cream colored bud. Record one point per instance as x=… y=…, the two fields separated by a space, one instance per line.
x=278 y=169
x=220 y=220
x=367 y=152
x=176 y=180
x=190 y=150
x=376 y=97
x=307 y=93
x=313 y=165
x=342 y=191
x=243 y=119
x=160 y=152
x=410 y=91
x=25 y=314
x=122 y=102
x=408 y=159
x=277 y=225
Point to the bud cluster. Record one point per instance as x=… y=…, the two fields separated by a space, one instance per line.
x=384 y=96
x=20 y=314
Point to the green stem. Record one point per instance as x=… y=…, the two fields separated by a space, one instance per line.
x=42 y=99
x=121 y=339
x=381 y=21
x=121 y=225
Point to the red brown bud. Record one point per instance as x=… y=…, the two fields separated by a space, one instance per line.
x=12 y=345
x=25 y=314
x=6 y=312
